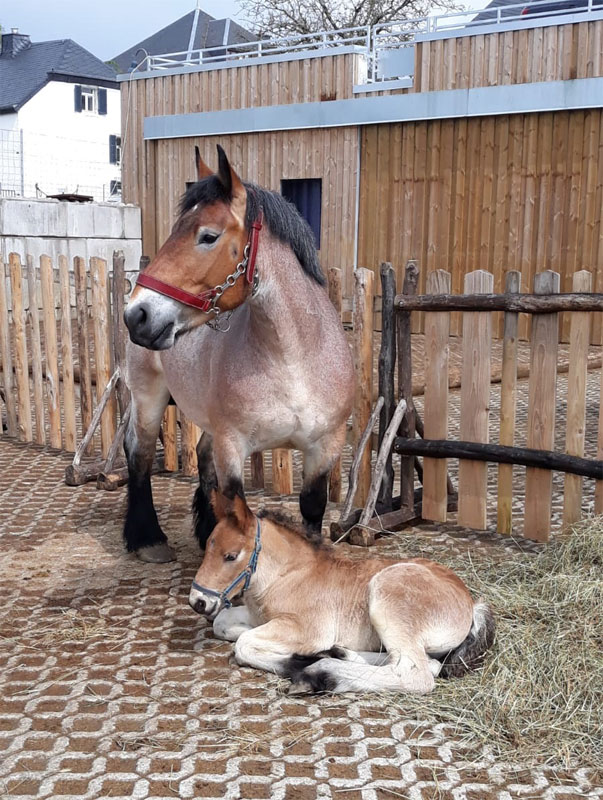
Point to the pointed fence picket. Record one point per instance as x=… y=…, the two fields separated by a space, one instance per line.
x=62 y=347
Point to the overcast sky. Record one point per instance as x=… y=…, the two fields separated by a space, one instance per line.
x=108 y=27
x=105 y=27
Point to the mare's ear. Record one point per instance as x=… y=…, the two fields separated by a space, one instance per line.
x=203 y=171
x=236 y=507
x=233 y=185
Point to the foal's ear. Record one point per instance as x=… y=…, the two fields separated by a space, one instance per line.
x=242 y=513
x=233 y=185
x=226 y=507
x=203 y=171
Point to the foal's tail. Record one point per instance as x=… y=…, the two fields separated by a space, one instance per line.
x=470 y=653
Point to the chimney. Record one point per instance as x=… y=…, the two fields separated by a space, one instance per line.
x=14 y=43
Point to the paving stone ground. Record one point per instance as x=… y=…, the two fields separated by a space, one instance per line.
x=111 y=687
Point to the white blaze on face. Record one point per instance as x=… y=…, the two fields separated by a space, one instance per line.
x=203 y=603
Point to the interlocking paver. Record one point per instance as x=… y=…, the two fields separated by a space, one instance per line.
x=110 y=687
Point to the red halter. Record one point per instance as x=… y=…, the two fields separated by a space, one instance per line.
x=207 y=300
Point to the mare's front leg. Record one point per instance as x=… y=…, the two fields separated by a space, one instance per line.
x=229 y=454
x=203 y=513
x=318 y=462
x=150 y=396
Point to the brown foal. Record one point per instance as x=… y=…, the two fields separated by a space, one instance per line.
x=328 y=622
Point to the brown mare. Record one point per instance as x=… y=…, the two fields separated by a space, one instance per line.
x=274 y=370
x=328 y=622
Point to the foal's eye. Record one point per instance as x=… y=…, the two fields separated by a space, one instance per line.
x=230 y=557
x=207 y=237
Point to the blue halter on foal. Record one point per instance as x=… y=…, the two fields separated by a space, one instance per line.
x=245 y=575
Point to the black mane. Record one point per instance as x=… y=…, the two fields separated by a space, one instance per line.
x=281 y=217
x=286 y=521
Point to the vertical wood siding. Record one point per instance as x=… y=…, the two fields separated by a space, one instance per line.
x=521 y=192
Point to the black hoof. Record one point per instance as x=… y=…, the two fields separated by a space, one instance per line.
x=160 y=553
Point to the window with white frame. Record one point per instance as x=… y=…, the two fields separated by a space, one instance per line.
x=90 y=99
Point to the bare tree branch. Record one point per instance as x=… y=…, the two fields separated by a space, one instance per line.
x=272 y=18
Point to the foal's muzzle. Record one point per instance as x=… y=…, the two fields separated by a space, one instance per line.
x=207 y=606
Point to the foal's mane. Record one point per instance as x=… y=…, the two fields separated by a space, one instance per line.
x=283 y=520
x=281 y=217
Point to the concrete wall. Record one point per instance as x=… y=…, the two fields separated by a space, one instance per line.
x=53 y=228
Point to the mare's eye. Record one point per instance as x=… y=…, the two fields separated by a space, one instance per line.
x=207 y=237
x=230 y=557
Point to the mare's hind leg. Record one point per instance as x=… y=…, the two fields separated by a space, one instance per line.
x=142 y=532
x=205 y=519
x=318 y=462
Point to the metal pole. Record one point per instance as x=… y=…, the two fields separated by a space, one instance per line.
x=22 y=163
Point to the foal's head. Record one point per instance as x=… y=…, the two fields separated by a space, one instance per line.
x=206 y=245
x=227 y=555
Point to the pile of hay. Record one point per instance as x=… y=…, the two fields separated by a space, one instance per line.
x=539 y=697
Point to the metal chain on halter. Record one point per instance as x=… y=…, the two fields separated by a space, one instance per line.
x=222 y=317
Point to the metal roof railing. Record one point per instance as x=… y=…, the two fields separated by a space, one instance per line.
x=376 y=40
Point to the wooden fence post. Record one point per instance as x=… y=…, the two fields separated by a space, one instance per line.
x=541 y=410
x=407 y=428
x=102 y=351
x=36 y=353
x=83 y=338
x=363 y=361
x=335 y=296
x=387 y=365
x=437 y=333
x=257 y=471
x=170 y=439
x=50 y=340
x=7 y=358
x=282 y=471
x=21 y=360
x=189 y=436
x=576 y=398
x=508 y=403
x=118 y=283
x=599 y=484
x=475 y=403
x=67 y=357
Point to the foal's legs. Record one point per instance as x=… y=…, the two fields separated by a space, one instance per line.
x=205 y=520
x=408 y=667
x=318 y=461
x=142 y=533
x=231 y=623
x=270 y=646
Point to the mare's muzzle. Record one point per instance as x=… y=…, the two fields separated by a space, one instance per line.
x=148 y=328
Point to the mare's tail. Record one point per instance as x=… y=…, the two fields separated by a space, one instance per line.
x=470 y=653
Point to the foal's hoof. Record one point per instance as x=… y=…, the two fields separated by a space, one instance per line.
x=157 y=553
x=301 y=687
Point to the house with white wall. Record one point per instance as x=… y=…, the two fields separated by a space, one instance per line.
x=60 y=120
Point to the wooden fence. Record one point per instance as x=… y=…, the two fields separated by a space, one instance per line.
x=62 y=352
x=478 y=305
x=62 y=357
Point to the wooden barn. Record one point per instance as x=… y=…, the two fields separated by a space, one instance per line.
x=464 y=142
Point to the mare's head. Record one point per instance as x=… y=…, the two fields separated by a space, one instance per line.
x=206 y=245
x=227 y=554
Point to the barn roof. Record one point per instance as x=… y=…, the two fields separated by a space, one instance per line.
x=26 y=66
x=176 y=37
